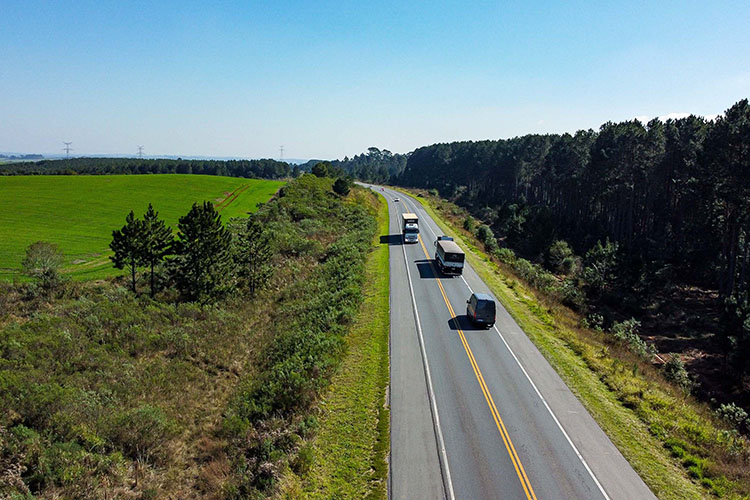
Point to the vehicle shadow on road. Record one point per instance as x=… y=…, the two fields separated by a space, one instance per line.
x=463 y=322
x=391 y=239
x=426 y=269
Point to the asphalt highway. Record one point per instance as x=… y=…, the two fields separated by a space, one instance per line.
x=476 y=413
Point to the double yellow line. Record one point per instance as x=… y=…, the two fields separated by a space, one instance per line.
x=485 y=390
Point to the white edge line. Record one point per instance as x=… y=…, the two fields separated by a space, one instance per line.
x=431 y=393
x=544 y=401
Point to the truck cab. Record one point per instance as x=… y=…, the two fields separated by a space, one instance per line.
x=410 y=228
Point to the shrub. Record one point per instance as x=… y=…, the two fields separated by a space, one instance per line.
x=560 y=256
x=142 y=432
x=599 y=266
x=570 y=265
x=595 y=321
x=470 y=224
x=506 y=255
x=571 y=295
x=42 y=263
x=485 y=235
x=627 y=332
x=734 y=415
x=320 y=169
x=433 y=192
x=674 y=370
x=302 y=462
x=342 y=186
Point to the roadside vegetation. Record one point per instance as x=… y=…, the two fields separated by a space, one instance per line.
x=349 y=451
x=78 y=213
x=205 y=390
x=678 y=444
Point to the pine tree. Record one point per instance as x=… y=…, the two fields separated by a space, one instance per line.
x=127 y=243
x=253 y=255
x=202 y=254
x=157 y=241
x=342 y=186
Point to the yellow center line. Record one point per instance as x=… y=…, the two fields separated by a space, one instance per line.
x=485 y=390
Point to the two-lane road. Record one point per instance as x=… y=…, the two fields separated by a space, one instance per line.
x=479 y=413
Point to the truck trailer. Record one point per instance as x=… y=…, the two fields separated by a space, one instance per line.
x=449 y=257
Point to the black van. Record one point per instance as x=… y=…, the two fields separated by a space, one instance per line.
x=480 y=308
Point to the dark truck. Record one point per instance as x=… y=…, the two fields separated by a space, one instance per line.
x=480 y=309
x=448 y=256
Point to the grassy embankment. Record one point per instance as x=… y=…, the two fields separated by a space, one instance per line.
x=675 y=443
x=107 y=395
x=349 y=451
x=79 y=212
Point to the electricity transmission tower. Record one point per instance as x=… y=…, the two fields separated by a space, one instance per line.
x=67 y=149
x=140 y=151
x=281 y=153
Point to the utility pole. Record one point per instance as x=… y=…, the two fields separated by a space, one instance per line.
x=140 y=152
x=281 y=153
x=67 y=149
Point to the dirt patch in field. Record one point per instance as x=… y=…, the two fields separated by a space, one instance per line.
x=231 y=198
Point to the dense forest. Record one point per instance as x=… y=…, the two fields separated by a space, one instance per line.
x=662 y=206
x=376 y=165
x=264 y=169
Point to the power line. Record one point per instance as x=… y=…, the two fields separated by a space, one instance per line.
x=140 y=151
x=67 y=149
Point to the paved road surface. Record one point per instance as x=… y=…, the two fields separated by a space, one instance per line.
x=480 y=414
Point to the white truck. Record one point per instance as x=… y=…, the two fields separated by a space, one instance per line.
x=410 y=227
x=448 y=256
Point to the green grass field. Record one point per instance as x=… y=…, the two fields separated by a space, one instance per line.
x=79 y=213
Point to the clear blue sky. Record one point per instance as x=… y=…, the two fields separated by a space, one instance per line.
x=328 y=79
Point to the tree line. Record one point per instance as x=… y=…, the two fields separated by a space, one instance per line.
x=664 y=203
x=375 y=165
x=263 y=169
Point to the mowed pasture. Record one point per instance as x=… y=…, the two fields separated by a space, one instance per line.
x=79 y=212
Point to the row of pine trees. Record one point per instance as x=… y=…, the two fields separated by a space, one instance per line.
x=203 y=262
